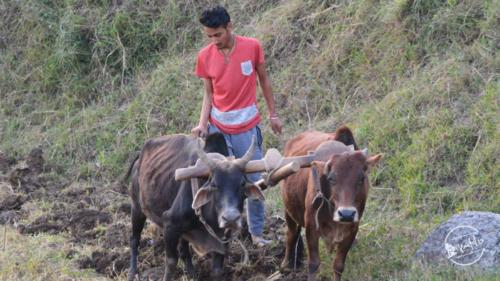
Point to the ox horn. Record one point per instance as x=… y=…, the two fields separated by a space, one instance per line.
x=242 y=162
x=203 y=155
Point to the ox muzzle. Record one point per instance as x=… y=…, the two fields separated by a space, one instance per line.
x=230 y=218
x=346 y=215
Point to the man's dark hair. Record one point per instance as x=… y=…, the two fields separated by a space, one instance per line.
x=215 y=16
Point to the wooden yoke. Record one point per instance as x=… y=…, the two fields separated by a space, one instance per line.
x=199 y=170
x=277 y=166
x=273 y=161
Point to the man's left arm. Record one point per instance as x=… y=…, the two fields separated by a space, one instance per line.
x=267 y=91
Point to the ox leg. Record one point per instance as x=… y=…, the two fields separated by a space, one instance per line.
x=294 y=245
x=340 y=257
x=185 y=254
x=138 y=220
x=312 y=237
x=172 y=236
x=217 y=266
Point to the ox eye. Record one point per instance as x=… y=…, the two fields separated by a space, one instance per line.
x=332 y=178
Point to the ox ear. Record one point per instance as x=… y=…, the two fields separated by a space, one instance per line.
x=201 y=198
x=373 y=160
x=252 y=191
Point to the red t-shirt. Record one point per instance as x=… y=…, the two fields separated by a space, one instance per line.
x=234 y=108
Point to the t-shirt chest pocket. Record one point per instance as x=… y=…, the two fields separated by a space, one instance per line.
x=246 y=68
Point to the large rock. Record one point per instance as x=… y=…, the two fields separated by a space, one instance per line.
x=468 y=239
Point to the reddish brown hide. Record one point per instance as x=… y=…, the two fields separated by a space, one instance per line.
x=327 y=199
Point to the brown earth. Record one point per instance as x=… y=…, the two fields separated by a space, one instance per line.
x=98 y=216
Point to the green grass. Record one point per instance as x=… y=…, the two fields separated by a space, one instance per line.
x=416 y=80
x=388 y=239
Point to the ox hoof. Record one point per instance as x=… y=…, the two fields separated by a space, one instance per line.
x=285 y=266
x=290 y=264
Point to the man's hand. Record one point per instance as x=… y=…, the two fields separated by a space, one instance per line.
x=199 y=131
x=276 y=124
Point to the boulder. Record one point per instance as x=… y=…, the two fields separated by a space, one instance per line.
x=468 y=239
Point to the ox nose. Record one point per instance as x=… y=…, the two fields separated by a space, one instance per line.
x=347 y=215
x=231 y=217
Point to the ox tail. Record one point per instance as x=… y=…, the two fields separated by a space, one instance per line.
x=299 y=253
x=345 y=136
x=130 y=168
x=121 y=185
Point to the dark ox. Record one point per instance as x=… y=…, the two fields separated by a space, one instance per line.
x=171 y=205
x=327 y=199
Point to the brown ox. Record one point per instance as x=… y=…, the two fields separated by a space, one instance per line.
x=327 y=199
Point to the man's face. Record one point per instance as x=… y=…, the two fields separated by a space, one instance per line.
x=220 y=36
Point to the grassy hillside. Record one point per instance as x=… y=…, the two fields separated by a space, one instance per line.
x=418 y=80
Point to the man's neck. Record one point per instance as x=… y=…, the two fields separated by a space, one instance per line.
x=227 y=50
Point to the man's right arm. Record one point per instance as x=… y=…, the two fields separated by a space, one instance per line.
x=201 y=130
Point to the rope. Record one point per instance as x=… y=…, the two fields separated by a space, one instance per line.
x=210 y=230
x=296 y=257
x=323 y=199
x=320 y=195
x=316 y=220
x=245 y=252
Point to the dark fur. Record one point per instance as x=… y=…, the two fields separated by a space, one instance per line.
x=156 y=195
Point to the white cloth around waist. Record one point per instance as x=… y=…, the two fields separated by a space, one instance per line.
x=235 y=117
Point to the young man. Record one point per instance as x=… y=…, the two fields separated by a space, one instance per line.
x=229 y=67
